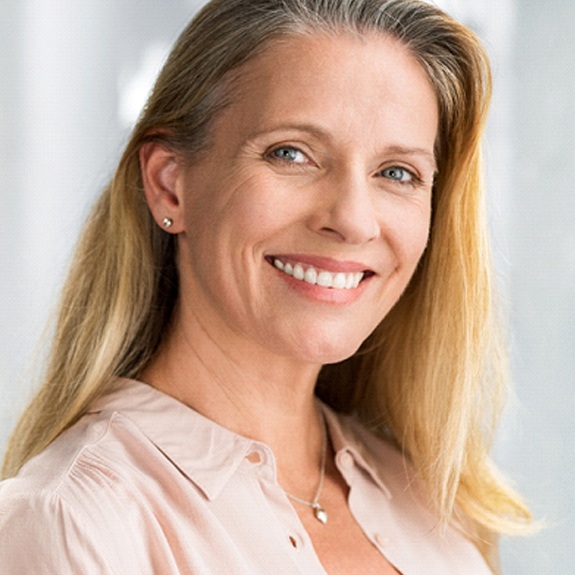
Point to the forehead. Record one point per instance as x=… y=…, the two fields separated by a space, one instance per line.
x=335 y=76
x=353 y=95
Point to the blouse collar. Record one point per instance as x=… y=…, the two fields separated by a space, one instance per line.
x=208 y=453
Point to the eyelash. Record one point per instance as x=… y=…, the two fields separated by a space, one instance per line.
x=413 y=181
x=272 y=155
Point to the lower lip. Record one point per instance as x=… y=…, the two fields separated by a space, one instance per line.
x=321 y=294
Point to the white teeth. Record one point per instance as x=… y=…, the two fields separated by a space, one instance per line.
x=321 y=278
x=324 y=279
x=339 y=281
x=310 y=276
x=298 y=272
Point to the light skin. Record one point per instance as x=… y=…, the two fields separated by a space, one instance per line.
x=324 y=160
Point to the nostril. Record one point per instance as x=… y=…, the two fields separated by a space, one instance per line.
x=350 y=227
x=333 y=232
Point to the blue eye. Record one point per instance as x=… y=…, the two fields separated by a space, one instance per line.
x=289 y=154
x=398 y=174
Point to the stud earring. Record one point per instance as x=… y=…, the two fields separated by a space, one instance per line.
x=168 y=222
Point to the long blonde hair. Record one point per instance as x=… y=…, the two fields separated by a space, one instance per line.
x=433 y=373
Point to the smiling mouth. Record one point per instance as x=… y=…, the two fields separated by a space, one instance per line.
x=320 y=277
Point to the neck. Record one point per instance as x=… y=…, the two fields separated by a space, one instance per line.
x=247 y=390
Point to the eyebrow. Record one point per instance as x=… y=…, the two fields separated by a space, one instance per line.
x=322 y=134
x=409 y=151
x=309 y=128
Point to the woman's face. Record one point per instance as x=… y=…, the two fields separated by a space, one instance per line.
x=306 y=217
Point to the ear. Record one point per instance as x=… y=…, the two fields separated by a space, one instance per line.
x=161 y=176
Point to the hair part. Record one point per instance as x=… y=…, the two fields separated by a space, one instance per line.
x=433 y=373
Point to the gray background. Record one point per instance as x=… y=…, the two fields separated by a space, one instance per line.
x=72 y=76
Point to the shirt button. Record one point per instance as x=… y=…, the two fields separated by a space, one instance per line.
x=346 y=460
x=381 y=540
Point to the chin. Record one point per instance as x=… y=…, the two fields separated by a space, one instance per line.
x=323 y=353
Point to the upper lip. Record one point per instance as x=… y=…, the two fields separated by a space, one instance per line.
x=322 y=263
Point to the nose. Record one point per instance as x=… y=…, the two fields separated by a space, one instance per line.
x=345 y=210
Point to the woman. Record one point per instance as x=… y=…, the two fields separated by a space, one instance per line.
x=297 y=215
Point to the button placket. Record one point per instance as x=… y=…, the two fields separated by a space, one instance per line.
x=295 y=541
x=261 y=461
x=256 y=456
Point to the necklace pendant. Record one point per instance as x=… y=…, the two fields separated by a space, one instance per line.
x=320 y=513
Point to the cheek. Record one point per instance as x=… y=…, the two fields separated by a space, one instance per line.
x=248 y=194
x=420 y=237
x=410 y=233
x=230 y=226
x=258 y=210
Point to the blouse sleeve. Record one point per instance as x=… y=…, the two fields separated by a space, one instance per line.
x=41 y=534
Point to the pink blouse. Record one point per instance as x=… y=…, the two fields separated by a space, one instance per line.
x=144 y=485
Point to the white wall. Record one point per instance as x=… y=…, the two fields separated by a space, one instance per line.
x=541 y=237
x=71 y=71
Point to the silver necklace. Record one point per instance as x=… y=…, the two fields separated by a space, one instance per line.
x=319 y=512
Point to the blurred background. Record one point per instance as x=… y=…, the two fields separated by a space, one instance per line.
x=73 y=77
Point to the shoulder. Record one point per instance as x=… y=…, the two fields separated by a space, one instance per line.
x=105 y=450
x=71 y=504
x=91 y=450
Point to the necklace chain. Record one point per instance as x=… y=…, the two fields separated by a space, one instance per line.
x=319 y=512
